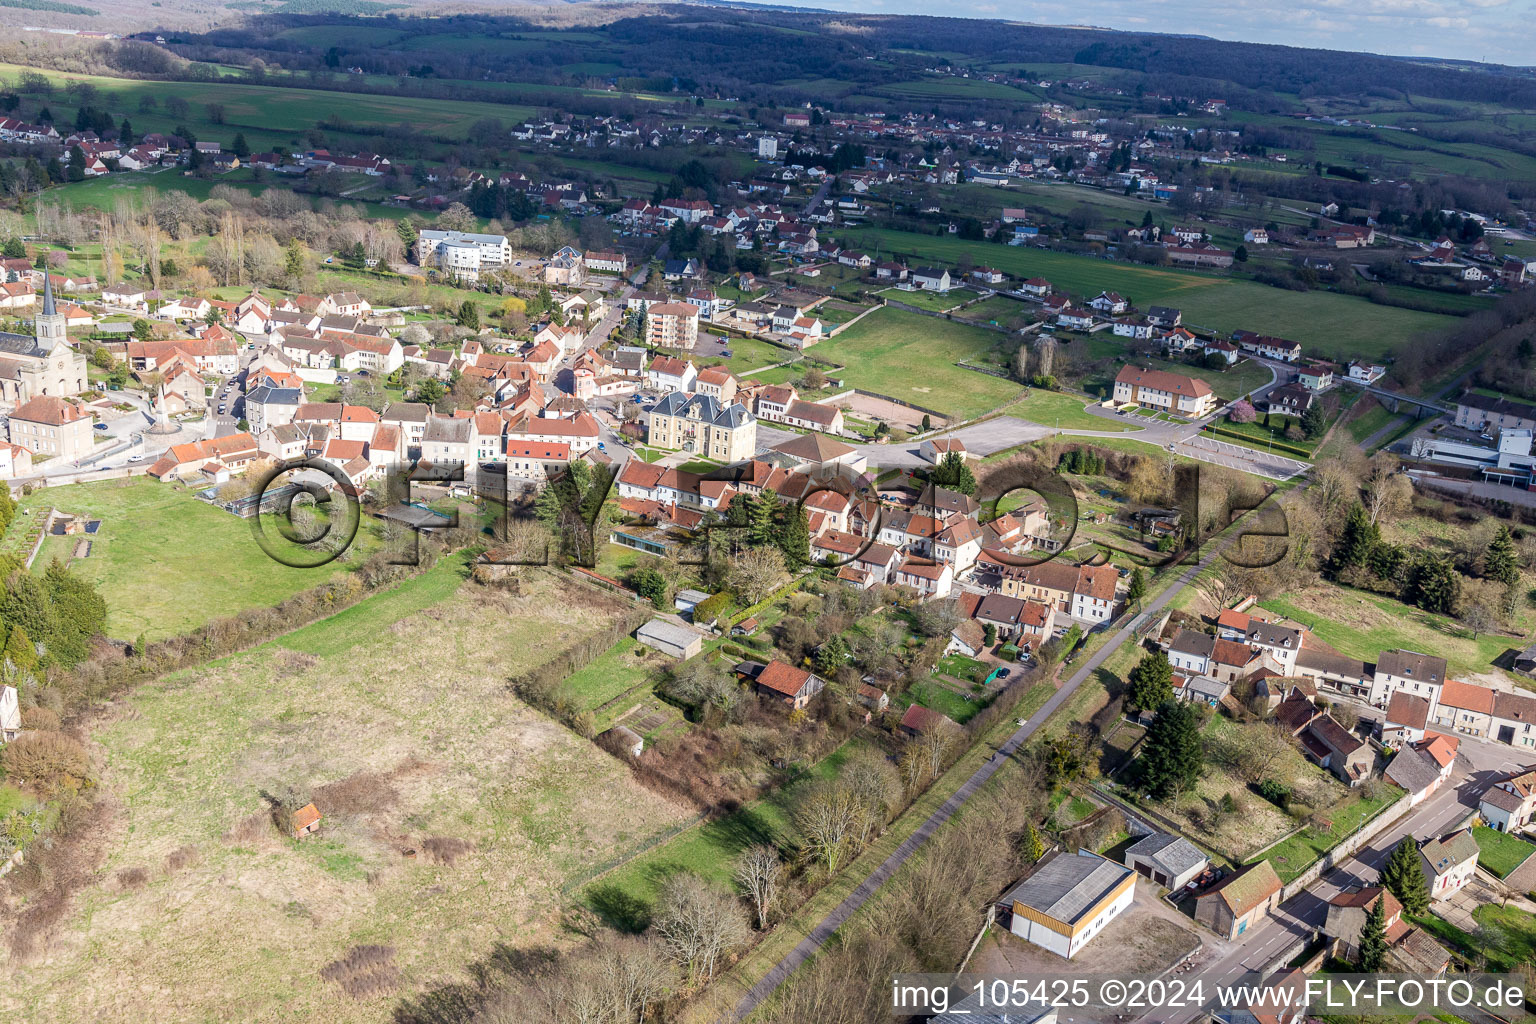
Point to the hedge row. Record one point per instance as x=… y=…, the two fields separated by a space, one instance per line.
x=1252 y=441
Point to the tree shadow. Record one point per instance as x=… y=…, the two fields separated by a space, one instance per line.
x=459 y=1002
x=619 y=909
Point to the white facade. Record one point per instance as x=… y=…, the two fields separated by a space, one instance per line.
x=10 y=714
x=494 y=250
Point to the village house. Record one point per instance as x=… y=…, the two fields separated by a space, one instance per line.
x=52 y=426
x=1449 y=862
x=1509 y=804
x=793 y=686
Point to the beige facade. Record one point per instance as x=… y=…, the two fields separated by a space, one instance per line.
x=47 y=425
x=673 y=325
x=702 y=425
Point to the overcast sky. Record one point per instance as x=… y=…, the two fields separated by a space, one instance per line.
x=1494 y=30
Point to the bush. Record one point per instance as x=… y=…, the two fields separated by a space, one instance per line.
x=1275 y=792
x=47 y=761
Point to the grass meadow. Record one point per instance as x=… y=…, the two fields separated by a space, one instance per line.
x=453 y=814
x=1328 y=324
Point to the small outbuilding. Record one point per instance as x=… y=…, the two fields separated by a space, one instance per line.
x=670 y=638
x=306 y=820
x=623 y=740
x=1170 y=861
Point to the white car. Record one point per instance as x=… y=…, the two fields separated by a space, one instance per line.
x=135 y=458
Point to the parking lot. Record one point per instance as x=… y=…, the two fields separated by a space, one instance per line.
x=1235 y=456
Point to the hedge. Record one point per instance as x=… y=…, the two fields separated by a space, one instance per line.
x=1255 y=442
x=784 y=591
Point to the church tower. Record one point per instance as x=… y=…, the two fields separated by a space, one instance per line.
x=50 y=330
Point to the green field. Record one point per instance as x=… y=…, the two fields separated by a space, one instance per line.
x=1362 y=625
x=626 y=665
x=624 y=895
x=271 y=115
x=166 y=562
x=912 y=357
x=1328 y=324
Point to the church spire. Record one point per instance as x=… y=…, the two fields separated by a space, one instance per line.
x=48 y=306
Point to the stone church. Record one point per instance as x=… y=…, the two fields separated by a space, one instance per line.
x=44 y=364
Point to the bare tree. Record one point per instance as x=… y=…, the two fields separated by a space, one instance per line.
x=1045 y=358
x=760 y=874
x=1388 y=493
x=829 y=818
x=698 y=925
x=935 y=745
x=877 y=787
x=756 y=572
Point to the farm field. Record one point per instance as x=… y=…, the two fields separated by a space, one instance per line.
x=166 y=562
x=103 y=193
x=251 y=109
x=1329 y=324
x=497 y=806
x=912 y=357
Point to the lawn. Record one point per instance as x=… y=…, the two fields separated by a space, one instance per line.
x=963 y=668
x=166 y=562
x=1293 y=856
x=1500 y=852
x=747 y=354
x=1506 y=939
x=936 y=697
x=419 y=727
x=1064 y=412
x=626 y=665
x=1328 y=324
x=912 y=357
x=624 y=896
x=938 y=302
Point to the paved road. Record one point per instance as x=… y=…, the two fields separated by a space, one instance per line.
x=867 y=888
x=1300 y=917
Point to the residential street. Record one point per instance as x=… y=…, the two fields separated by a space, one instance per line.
x=824 y=929
x=1300 y=916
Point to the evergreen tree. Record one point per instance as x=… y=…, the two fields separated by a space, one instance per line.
x=1150 y=683
x=1373 y=937
x=293 y=260
x=78 y=614
x=15 y=248
x=765 y=507
x=240 y=147
x=1403 y=875
x=953 y=473
x=1138 y=585
x=1433 y=584
x=831 y=656
x=1356 y=543
x=1172 y=756
x=1314 y=421
x=20 y=654
x=1500 y=560
x=468 y=316
x=26 y=605
x=794 y=536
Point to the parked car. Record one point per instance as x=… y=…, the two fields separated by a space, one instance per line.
x=135 y=458
x=101 y=426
